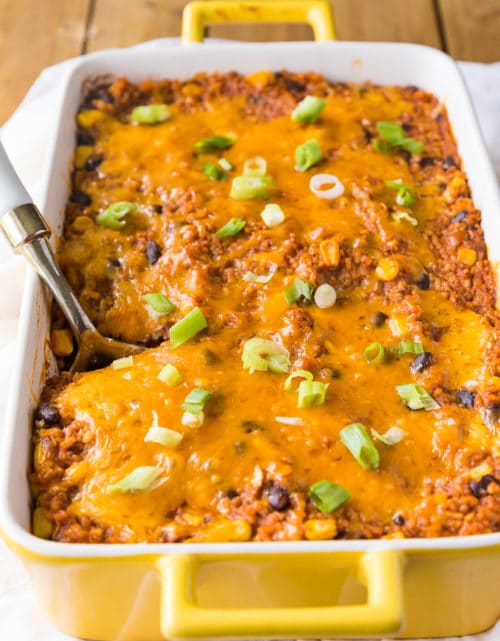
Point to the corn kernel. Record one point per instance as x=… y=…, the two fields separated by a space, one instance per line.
x=89 y=118
x=260 y=79
x=387 y=268
x=82 y=223
x=42 y=527
x=320 y=529
x=76 y=472
x=61 y=342
x=467 y=256
x=227 y=530
x=477 y=473
x=398 y=326
x=394 y=535
x=38 y=457
x=82 y=152
x=330 y=251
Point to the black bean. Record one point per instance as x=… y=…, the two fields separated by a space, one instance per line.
x=378 y=319
x=48 y=414
x=426 y=161
x=423 y=282
x=466 y=398
x=435 y=332
x=460 y=216
x=98 y=361
x=421 y=362
x=491 y=416
x=81 y=198
x=449 y=161
x=232 y=494
x=153 y=252
x=480 y=488
x=294 y=86
x=210 y=357
x=103 y=94
x=278 y=498
x=251 y=426
x=158 y=209
x=93 y=162
x=84 y=138
x=406 y=126
x=398 y=519
x=411 y=88
x=115 y=262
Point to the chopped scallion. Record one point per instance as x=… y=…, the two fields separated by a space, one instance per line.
x=248 y=187
x=359 y=444
x=404 y=196
x=194 y=421
x=213 y=143
x=195 y=400
x=308 y=109
x=328 y=496
x=139 y=480
x=398 y=216
x=255 y=166
x=272 y=215
x=374 y=353
x=160 y=303
x=231 y=228
x=213 y=172
x=170 y=375
x=163 y=436
x=311 y=393
x=307 y=155
x=113 y=215
x=150 y=114
x=187 y=327
x=225 y=164
x=298 y=289
x=391 y=437
x=123 y=363
x=299 y=373
x=251 y=277
x=417 y=397
x=262 y=354
x=408 y=347
x=393 y=137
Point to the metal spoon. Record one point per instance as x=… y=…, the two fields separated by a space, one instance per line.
x=26 y=230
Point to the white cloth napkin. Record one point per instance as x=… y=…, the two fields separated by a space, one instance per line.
x=25 y=138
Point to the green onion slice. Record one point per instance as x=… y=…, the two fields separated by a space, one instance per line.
x=359 y=444
x=213 y=172
x=150 y=114
x=298 y=289
x=307 y=155
x=213 y=143
x=328 y=496
x=187 y=327
x=163 y=436
x=405 y=196
x=308 y=109
x=251 y=277
x=311 y=393
x=391 y=437
x=225 y=164
x=263 y=355
x=394 y=136
x=170 y=375
x=417 y=397
x=272 y=215
x=398 y=216
x=256 y=166
x=374 y=353
x=231 y=228
x=139 y=480
x=248 y=187
x=195 y=400
x=299 y=373
x=408 y=347
x=160 y=303
x=123 y=363
x=112 y=216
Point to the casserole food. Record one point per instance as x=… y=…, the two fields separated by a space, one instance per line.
x=237 y=583
x=321 y=280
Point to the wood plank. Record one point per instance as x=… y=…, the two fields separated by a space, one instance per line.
x=391 y=20
x=116 y=23
x=472 y=29
x=33 y=35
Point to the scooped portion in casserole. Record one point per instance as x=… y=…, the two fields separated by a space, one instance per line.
x=305 y=262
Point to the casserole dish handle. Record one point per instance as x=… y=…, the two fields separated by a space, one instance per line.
x=317 y=13
x=183 y=618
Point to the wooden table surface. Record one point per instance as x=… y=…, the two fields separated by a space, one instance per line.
x=38 y=33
